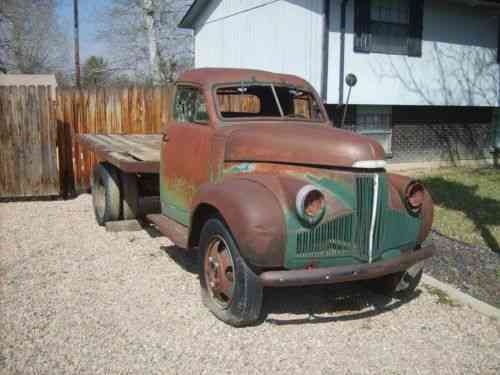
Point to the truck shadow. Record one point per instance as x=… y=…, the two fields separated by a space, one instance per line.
x=186 y=259
x=311 y=304
x=325 y=304
x=319 y=304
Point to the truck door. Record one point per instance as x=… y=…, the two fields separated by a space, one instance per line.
x=185 y=152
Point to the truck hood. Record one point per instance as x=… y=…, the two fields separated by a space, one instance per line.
x=298 y=143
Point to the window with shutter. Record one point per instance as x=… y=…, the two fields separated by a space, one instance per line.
x=498 y=41
x=388 y=26
x=362 y=26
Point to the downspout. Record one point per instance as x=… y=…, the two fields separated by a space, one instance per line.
x=325 y=50
x=342 y=50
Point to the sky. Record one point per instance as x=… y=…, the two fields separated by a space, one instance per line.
x=88 y=10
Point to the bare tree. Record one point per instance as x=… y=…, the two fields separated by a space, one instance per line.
x=454 y=75
x=144 y=40
x=30 y=39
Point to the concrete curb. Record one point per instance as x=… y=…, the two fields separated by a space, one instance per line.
x=461 y=297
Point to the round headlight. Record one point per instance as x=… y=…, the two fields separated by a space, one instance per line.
x=310 y=204
x=414 y=194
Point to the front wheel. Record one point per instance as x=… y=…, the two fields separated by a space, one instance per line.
x=230 y=289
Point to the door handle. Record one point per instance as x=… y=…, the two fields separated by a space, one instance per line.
x=165 y=137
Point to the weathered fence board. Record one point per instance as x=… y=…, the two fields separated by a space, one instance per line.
x=28 y=155
x=39 y=155
x=129 y=110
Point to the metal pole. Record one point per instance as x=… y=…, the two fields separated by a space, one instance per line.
x=343 y=6
x=325 y=50
x=345 y=106
x=77 y=43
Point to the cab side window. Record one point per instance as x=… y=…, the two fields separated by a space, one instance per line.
x=190 y=105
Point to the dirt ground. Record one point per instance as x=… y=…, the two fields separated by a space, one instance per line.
x=77 y=299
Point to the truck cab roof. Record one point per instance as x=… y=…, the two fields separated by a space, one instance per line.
x=214 y=76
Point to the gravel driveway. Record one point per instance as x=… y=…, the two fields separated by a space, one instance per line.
x=77 y=299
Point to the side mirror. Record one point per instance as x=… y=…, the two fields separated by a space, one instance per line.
x=351 y=80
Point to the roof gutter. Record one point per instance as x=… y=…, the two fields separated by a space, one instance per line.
x=343 y=7
x=191 y=16
x=325 y=50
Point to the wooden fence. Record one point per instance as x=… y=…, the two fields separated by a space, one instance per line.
x=28 y=149
x=39 y=154
x=134 y=110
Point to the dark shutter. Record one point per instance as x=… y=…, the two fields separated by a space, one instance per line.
x=498 y=41
x=362 y=26
x=416 y=28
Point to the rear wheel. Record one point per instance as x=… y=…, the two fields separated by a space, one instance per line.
x=105 y=186
x=399 y=285
x=230 y=289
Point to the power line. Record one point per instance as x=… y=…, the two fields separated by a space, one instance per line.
x=77 y=43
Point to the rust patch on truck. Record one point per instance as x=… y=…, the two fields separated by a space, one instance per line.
x=288 y=144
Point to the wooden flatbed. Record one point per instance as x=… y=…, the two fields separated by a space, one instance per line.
x=131 y=153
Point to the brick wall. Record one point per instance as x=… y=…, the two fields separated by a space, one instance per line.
x=428 y=142
x=426 y=133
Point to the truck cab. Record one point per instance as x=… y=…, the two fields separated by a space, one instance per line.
x=254 y=178
x=271 y=194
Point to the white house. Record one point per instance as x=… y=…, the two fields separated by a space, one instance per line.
x=428 y=72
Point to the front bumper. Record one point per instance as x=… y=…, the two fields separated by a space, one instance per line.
x=333 y=275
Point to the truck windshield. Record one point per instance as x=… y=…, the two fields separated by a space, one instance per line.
x=254 y=101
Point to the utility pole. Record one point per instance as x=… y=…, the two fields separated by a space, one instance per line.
x=77 y=43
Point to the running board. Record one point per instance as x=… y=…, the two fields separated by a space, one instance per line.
x=176 y=232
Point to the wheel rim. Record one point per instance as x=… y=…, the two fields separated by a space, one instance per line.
x=99 y=196
x=219 y=271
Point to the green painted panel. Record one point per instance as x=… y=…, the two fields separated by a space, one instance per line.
x=345 y=240
x=171 y=205
x=341 y=191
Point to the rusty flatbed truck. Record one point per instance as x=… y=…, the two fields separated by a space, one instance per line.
x=253 y=176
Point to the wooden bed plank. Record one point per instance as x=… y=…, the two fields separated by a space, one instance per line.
x=131 y=153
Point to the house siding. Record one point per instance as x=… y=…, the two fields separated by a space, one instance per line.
x=285 y=36
x=455 y=38
x=280 y=36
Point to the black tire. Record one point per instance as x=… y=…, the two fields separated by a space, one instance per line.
x=399 y=285
x=244 y=305
x=130 y=195
x=105 y=186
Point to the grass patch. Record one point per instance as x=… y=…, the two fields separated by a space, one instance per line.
x=467 y=204
x=442 y=297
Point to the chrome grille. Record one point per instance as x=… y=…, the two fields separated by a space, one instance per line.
x=349 y=235
x=363 y=207
x=333 y=238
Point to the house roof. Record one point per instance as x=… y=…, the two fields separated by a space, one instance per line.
x=29 y=80
x=198 y=6
x=211 y=76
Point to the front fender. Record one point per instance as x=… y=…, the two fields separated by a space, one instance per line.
x=253 y=214
x=399 y=183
